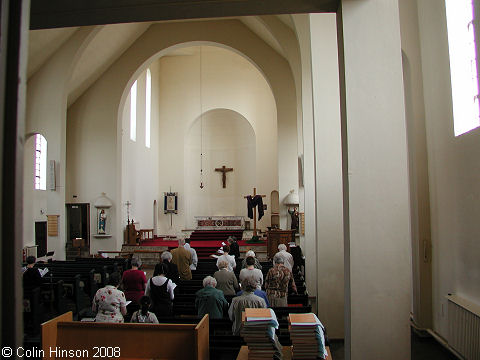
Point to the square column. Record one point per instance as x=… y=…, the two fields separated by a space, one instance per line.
x=376 y=188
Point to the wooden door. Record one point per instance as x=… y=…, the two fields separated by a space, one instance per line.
x=41 y=237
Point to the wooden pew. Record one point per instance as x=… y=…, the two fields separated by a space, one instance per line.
x=134 y=341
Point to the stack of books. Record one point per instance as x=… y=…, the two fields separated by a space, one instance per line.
x=307 y=335
x=258 y=331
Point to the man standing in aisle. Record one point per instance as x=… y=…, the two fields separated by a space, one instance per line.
x=183 y=259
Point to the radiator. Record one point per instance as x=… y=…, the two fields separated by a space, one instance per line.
x=464 y=327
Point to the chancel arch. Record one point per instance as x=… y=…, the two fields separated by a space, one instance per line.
x=155 y=43
x=225 y=138
x=194 y=85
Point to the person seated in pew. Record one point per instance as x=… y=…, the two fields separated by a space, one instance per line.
x=109 y=303
x=234 y=248
x=287 y=257
x=277 y=282
x=247 y=300
x=252 y=254
x=134 y=281
x=193 y=265
x=226 y=280
x=31 y=276
x=232 y=264
x=172 y=269
x=160 y=289
x=251 y=271
x=143 y=315
x=183 y=259
x=209 y=300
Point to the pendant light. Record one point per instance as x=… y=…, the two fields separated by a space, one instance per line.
x=201 y=122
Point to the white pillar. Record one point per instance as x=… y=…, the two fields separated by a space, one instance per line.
x=328 y=181
x=376 y=196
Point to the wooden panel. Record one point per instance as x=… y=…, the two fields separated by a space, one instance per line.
x=49 y=333
x=52 y=225
x=133 y=341
x=276 y=237
x=302 y=223
x=202 y=339
x=63 y=13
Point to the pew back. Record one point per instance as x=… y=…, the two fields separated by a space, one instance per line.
x=139 y=341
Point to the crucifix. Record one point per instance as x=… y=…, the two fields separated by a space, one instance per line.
x=224 y=171
x=254 y=210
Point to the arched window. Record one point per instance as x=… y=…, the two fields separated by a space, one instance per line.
x=148 y=107
x=463 y=64
x=40 y=163
x=133 y=112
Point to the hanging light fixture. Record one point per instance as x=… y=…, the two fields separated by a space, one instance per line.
x=201 y=122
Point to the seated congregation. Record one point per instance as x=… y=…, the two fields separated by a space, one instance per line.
x=181 y=291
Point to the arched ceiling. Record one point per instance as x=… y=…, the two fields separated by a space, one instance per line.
x=110 y=42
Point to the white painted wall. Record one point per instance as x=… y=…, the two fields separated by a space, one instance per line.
x=228 y=139
x=418 y=165
x=100 y=107
x=232 y=89
x=454 y=173
x=46 y=114
x=34 y=201
x=328 y=160
x=141 y=167
x=378 y=238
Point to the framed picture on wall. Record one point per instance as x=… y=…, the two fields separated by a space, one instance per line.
x=170 y=203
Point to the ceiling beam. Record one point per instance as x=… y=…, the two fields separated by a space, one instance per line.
x=46 y=14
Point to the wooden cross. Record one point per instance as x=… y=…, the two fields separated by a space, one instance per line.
x=224 y=171
x=255 y=211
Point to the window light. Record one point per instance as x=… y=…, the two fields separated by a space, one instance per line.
x=148 y=108
x=133 y=112
x=463 y=65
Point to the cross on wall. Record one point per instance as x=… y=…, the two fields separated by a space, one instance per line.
x=224 y=171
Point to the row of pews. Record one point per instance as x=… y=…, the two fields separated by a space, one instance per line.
x=67 y=286
x=224 y=345
x=71 y=285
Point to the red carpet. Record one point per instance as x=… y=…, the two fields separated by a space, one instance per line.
x=204 y=242
x=193 y=243
x=200 y=238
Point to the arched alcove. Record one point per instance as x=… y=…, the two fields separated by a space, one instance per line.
x=224 y=138
x=35 y=200
x=239 y=117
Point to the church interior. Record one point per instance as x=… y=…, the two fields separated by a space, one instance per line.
x=350 y=111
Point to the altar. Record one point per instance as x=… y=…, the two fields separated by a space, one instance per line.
x=220 y=222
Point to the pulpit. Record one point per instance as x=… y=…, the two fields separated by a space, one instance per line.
x=132 y=235
x=277 y=237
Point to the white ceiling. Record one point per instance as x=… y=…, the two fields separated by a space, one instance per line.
x=109 y=43
x=43 y=43
x=98 y=57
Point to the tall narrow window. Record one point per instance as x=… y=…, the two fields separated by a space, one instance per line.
x=463 y=65
x=133 y=112
x=40 y=167
x=148 y=107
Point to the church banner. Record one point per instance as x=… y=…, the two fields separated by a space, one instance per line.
x=170 y=203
